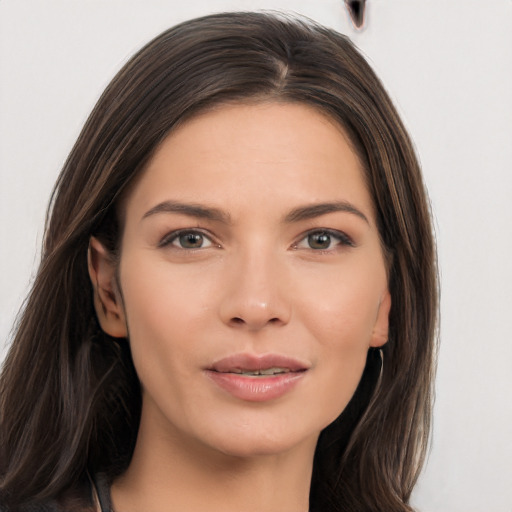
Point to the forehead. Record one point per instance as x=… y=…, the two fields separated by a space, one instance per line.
x=252 y=154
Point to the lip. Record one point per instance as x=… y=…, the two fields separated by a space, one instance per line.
x=225 y=373
x=252 y=362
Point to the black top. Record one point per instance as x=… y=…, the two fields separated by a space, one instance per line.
x=80 y=499
x=103 y=491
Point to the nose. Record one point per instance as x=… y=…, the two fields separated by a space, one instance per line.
x=256 y=294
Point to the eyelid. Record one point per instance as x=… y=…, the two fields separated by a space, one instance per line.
x=344 y=240
x=169 y=238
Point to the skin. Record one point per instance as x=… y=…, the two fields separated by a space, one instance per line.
x=258 y=282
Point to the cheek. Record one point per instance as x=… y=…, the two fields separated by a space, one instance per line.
x=158 y=296
x=165 y=315
x=341 y=319
x=344 y=310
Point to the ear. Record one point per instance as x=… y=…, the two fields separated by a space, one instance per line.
x=107 y=298
x=381 y=327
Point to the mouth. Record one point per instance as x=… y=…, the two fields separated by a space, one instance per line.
x=260 y=373
x=257 y=378
x=257 y=365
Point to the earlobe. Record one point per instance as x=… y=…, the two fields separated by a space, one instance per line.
x=381 y=328
x=107 y=299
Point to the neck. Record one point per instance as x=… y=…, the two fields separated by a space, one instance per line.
x=168 y=473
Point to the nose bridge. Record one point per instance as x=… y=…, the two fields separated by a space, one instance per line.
x=256 y=293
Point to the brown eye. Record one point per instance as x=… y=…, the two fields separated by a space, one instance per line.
x=187 y=240
x=324 y=240
x=190 y=240
x=319 y=240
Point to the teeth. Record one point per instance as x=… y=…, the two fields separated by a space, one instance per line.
x=273 y=371
x=267 y=371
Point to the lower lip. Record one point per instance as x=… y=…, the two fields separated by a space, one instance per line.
x=256 y=389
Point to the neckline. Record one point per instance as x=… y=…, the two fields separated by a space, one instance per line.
x=102 y=491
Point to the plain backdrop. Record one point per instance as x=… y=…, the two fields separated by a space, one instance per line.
x=448 y=67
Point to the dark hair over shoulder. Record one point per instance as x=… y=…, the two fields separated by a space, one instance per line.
x=69 y=396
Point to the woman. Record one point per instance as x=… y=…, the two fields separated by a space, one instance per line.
x=236 y=304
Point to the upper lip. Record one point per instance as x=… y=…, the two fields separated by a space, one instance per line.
x=252 y=362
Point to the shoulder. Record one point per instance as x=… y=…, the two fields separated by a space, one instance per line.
x=50 y=506
x=76 y=499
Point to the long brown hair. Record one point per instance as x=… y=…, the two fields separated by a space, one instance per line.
x=69 y=396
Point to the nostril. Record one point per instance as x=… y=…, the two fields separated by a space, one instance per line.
x=240 y=321
x=252 y=314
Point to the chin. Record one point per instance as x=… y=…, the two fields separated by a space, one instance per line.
x=256 y=448
x=268 y=440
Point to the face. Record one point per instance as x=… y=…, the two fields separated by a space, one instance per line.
x=252 y=280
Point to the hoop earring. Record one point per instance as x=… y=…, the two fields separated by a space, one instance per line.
x=338 y=432
x=381 y=371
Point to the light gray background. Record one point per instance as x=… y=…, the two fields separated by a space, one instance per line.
x=448 y=66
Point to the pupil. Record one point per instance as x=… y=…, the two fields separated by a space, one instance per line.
x=191 y=240
x=319 y=240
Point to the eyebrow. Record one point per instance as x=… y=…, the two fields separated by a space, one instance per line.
x=316 y=210
x=190 y=209
x=215 y=214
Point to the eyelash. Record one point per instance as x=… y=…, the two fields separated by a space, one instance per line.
x=175 y=235
x=342 y=239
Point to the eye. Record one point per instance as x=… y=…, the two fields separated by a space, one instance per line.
x=324 y=240
x=188 y=239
